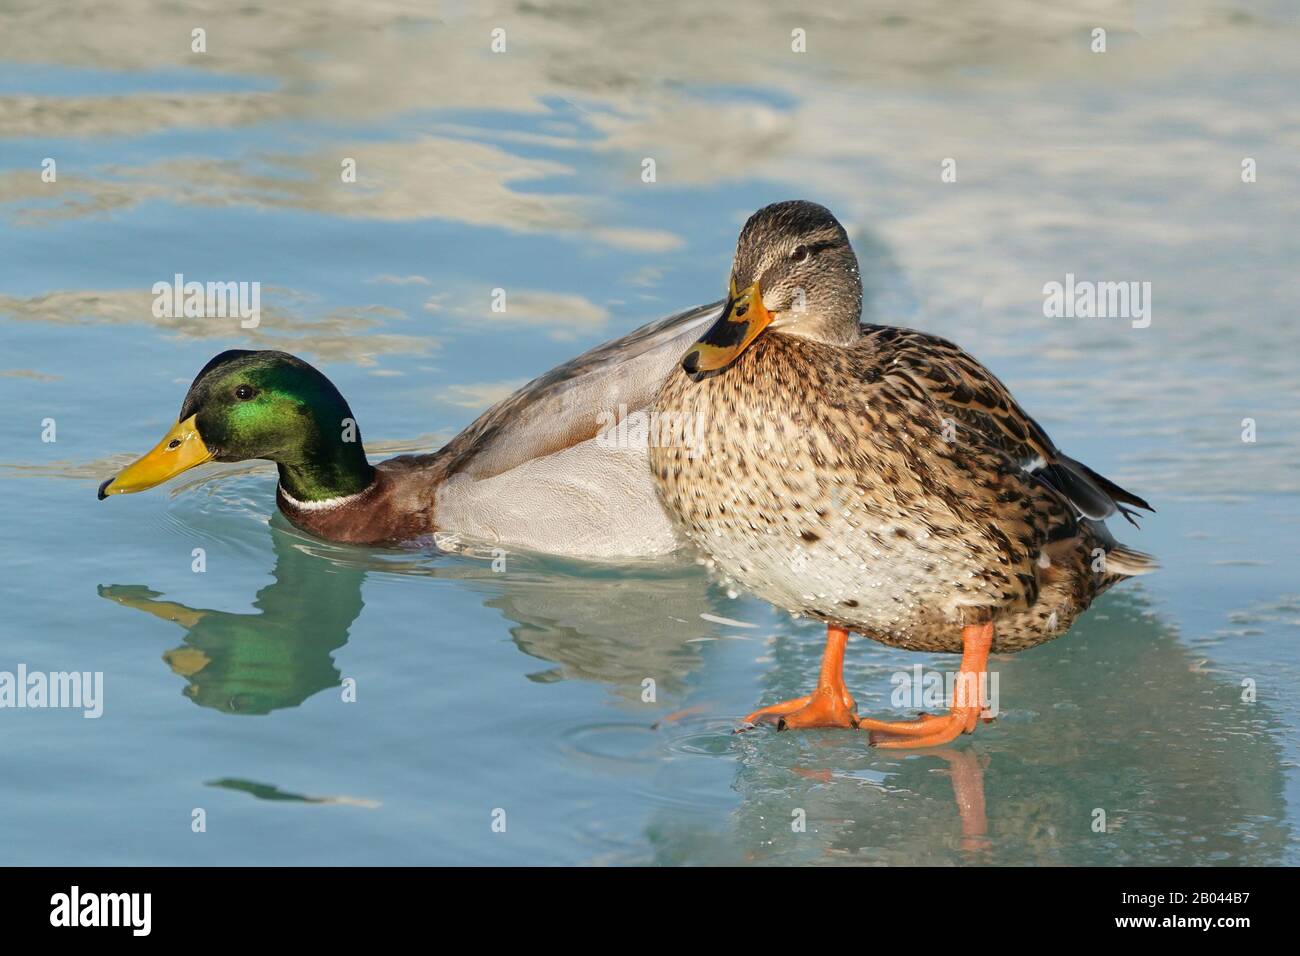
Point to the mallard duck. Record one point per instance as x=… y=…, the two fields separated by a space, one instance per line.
x=544 y=469
x=878 y=479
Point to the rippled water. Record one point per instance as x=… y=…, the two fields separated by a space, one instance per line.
x=522 y=691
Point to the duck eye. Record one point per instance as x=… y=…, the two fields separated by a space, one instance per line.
x=800 y=254
x=245 y=392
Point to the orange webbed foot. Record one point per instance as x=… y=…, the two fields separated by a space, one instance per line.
x=830 y=705
x=774 y=713
x=929 y=730
x=932 y=730
x=824 y=707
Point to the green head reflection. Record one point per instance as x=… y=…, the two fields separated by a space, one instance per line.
x=273 y=658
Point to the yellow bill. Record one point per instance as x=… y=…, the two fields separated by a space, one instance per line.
x=180 y=450
x=742 y=319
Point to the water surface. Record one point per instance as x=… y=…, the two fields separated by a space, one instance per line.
x=522 y=691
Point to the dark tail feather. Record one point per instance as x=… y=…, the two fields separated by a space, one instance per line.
x=1096 y=497
x=1116 y=493
x=1091 y=501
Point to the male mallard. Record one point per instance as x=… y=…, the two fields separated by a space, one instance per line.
x=876 y=478
x=543 y=469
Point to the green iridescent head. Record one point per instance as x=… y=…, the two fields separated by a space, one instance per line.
x=267 y=404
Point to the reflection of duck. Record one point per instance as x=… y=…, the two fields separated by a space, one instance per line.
x=616 y=626
x=616 y=629
x=276 y=658
x=534 y=471
x=267 y=791
x=876 y=478
x=1084 y=739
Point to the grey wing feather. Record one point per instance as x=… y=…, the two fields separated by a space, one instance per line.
x=575 y=401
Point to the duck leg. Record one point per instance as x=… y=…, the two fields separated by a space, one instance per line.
x=830 y=705
x=934 y=729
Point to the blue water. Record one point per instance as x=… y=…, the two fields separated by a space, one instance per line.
x=482 y=696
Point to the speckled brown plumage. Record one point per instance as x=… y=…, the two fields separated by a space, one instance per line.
x=890 y=485
x=825 y=480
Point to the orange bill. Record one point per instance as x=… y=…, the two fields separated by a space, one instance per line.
x=743 y=318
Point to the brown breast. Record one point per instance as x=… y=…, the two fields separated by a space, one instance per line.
x=397 y=507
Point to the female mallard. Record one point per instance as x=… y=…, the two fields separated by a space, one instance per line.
x=876 y=478
x=543 y=469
